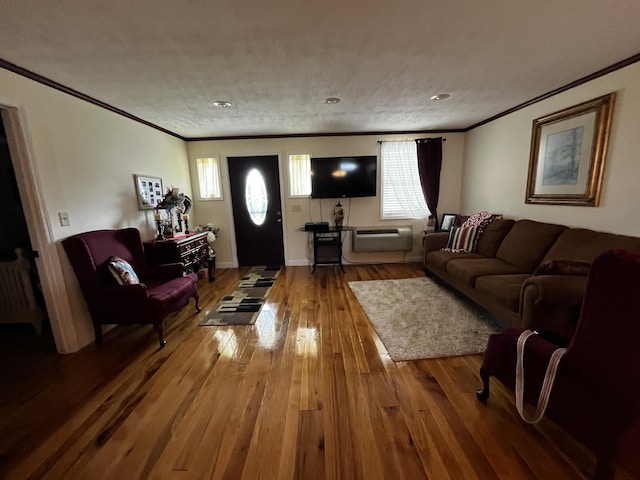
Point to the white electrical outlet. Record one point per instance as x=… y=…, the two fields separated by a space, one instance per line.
x=64 y=219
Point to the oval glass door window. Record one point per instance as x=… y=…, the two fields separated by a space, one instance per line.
x=255 y=195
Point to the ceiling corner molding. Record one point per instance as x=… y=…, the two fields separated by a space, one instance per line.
x=70 y=91
x=328 y=134
x=74 y=93
x=611 y=68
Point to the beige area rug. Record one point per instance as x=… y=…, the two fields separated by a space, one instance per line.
x=416 y=318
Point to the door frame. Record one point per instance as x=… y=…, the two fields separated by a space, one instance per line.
x=40 y=232
x=227 y=187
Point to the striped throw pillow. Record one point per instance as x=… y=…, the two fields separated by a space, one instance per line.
x=463 y=239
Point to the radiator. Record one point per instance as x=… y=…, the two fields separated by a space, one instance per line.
x=17 y=299
x=382 y=239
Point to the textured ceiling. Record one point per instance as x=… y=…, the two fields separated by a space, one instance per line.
x=165 y=61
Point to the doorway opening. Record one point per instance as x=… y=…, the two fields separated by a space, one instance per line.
x=25 y=331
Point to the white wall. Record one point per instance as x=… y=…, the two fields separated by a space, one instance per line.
x=297 y=211
x=84 y=158
x=496 y=161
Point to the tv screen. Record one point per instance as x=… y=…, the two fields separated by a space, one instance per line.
x=340 y=177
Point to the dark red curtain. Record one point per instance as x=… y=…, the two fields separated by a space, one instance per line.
x=429 y=166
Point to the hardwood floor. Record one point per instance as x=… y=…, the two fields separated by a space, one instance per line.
x=309 y=392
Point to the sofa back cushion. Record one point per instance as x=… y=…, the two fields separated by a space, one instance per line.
x=585 y=245
x=527 y=243
x=492 y=236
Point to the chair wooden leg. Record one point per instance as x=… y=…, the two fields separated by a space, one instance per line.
x=159 y=327
x=212 y=268
x=483 y=393
x=197 y=298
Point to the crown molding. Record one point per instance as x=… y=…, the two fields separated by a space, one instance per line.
x=70 y=91
x=611 y=68
x=74 y=93
x=329 y=134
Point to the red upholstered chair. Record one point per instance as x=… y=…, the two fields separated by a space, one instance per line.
x=162 y=289
x=596 y=393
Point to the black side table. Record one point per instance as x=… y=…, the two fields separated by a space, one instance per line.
x=327 y=246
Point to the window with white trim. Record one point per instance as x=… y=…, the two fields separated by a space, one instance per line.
x=402 y=195
x=209 y=178
x=300 y=175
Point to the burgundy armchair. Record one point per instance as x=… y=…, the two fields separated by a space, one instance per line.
x=596 y=393
x=162 y=290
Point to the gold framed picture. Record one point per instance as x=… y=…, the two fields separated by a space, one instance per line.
x=568 y=152
x=149 y=191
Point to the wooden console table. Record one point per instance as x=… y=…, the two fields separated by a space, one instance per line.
x=191 y=250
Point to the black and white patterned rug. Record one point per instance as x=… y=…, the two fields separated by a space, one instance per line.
x=243 y=304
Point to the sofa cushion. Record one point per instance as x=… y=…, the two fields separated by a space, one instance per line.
x=527 y=243
x=469 y=269
x=503 y=289
x=462 y=239
x=583 y=244
x=460 y=219
x=492 y=236
x=439 y=258
x=164 y=292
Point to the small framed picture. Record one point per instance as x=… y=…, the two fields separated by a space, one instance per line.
x=448 y=221
x=148 y=191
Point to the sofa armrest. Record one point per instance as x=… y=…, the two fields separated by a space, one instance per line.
x=500 y=359
x=434 y=241
x=552 y=290
x=552 y=302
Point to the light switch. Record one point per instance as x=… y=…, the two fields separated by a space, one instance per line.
x=296 y=207
x=64 y=219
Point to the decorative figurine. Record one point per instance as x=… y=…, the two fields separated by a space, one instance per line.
x=185 y=217
x=338 y=215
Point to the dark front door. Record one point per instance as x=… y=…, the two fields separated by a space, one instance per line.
x=257 y=213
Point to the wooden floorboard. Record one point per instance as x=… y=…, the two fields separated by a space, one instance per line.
x=308 y=392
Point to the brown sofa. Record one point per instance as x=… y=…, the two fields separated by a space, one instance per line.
x=503 y=274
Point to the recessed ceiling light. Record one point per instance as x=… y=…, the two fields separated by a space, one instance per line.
x=439 y=96
x=222 y=104
x=331 y=100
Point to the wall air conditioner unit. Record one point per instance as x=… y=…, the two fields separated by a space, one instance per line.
x=382 y=239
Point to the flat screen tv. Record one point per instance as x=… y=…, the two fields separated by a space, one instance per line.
x=341 y=177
